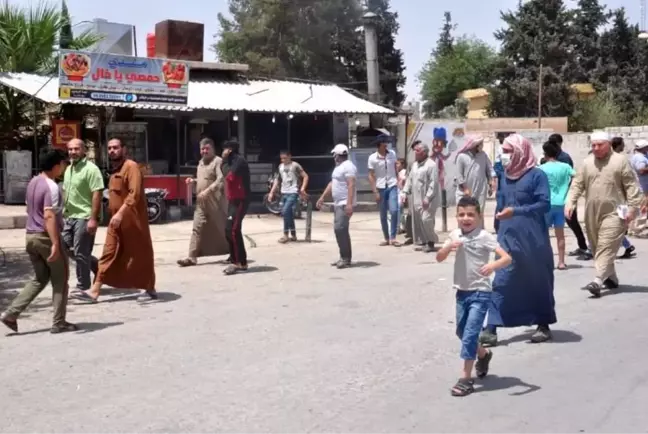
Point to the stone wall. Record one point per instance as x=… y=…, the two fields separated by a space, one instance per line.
x=578 y=145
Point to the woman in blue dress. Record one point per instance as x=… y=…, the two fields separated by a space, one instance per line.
x=523 y=291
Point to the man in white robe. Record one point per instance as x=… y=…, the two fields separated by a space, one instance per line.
x=424 y=197
x=475 y=174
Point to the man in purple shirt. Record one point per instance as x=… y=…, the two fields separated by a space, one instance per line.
x=44 y=244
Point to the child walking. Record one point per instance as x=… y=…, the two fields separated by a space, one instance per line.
x=472 y=270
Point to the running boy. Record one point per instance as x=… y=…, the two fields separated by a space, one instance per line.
x=474 y=247
x=560 y=177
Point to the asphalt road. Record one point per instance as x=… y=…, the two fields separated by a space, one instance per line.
x=296 y=346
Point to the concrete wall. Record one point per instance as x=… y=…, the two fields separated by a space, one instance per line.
x=578 y=144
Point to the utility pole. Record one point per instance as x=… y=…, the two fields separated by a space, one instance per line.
x=540 y=77
x=371 y=46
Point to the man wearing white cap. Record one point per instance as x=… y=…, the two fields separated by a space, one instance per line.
x=608 y=183
x=422 y=187
x=343 y=189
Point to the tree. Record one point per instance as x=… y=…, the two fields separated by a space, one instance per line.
x=468 y=64
x=621 y=66
x=446 y=40
x=589 y=17
x=537 y=33
x=65 y=36
x=29 y=41
x=311 y=40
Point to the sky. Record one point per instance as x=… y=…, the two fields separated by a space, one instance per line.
x=420 y=21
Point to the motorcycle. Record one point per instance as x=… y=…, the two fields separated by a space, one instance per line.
x=275 y=205
x=155 y=198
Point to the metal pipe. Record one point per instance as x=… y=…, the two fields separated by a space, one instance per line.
x=371 y=48
x=309 y=221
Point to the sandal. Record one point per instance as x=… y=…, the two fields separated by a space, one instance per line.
x=384 y=243
x=396 y=243
x=482 y=365
x=611 y=283
x=283 y=240
x=594 y=289
x=187 y=262
x=463 y=387
x=83 y=296
x=561 y=267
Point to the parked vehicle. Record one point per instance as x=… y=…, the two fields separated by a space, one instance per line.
x=276 y=205
x=155 y=204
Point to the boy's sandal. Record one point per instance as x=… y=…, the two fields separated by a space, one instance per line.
x=463 y=387
x=186 y=262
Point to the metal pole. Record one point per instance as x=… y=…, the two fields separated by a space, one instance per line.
x=371 y=47
x=444 y=211
x=134 y=40
x=309 y=220
x=178 y=158
x=540 y=98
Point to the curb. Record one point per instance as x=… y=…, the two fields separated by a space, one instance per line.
x=13 y=222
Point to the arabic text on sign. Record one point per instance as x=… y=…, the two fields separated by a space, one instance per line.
x=105 y=74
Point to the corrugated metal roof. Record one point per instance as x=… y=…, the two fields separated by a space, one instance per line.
x=255 y=96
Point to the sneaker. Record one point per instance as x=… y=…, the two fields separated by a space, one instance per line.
x=542 y=334
x=488 y=338
x=147 y=296
x=342 y=263
x=629 y=253
x=63 y=328
x=284 y=239
x=577 y=252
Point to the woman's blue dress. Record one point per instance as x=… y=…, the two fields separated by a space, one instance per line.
x=523 y=291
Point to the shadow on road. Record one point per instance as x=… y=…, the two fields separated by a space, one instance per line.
x=261 y=269
x=625 y=289
x=493 y=382
x=364 y=264
x=84 y=328
x=559 y=337
x=132 y=295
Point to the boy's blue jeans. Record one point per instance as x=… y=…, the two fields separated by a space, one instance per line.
x=389 y=204
x=288 y=211
x=472 y=307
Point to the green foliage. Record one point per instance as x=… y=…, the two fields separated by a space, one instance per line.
x=311 y=40
x=29 y=41
x=468 y=64
x=537 y=33
x=66 y=36
x=595 y=113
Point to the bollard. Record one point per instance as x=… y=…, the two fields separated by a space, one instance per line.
x=444 y=211
x=309 y=221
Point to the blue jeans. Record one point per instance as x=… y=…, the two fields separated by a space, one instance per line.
x=288 y=202
x=626 y=243
x=472 y=307
x=389 y=203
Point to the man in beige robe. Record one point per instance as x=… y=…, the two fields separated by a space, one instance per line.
x=423 y=194
x=608 y=183
x=210 y=216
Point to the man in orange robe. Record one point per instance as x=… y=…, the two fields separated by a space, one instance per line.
x=127 y=259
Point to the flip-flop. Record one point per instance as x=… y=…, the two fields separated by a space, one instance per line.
x=230 y=270
x=83 y=296
x=563 y=268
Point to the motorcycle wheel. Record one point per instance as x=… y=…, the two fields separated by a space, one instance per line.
x=154 y=212
x=274 y=207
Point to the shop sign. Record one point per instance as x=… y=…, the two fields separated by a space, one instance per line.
x=64 y=131
x=88 y=77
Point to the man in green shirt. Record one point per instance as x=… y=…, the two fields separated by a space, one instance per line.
x=83 y=187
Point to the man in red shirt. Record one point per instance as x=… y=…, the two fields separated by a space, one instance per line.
x=237 y=190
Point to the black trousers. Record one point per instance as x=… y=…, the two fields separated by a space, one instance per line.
x=236 y=211
x=575 y=226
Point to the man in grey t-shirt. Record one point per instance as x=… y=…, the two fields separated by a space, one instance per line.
x=44 y=244
x=290 y=173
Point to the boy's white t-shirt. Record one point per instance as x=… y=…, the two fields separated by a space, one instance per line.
x=476 y=251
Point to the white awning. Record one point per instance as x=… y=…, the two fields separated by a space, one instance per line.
x=272 y=96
